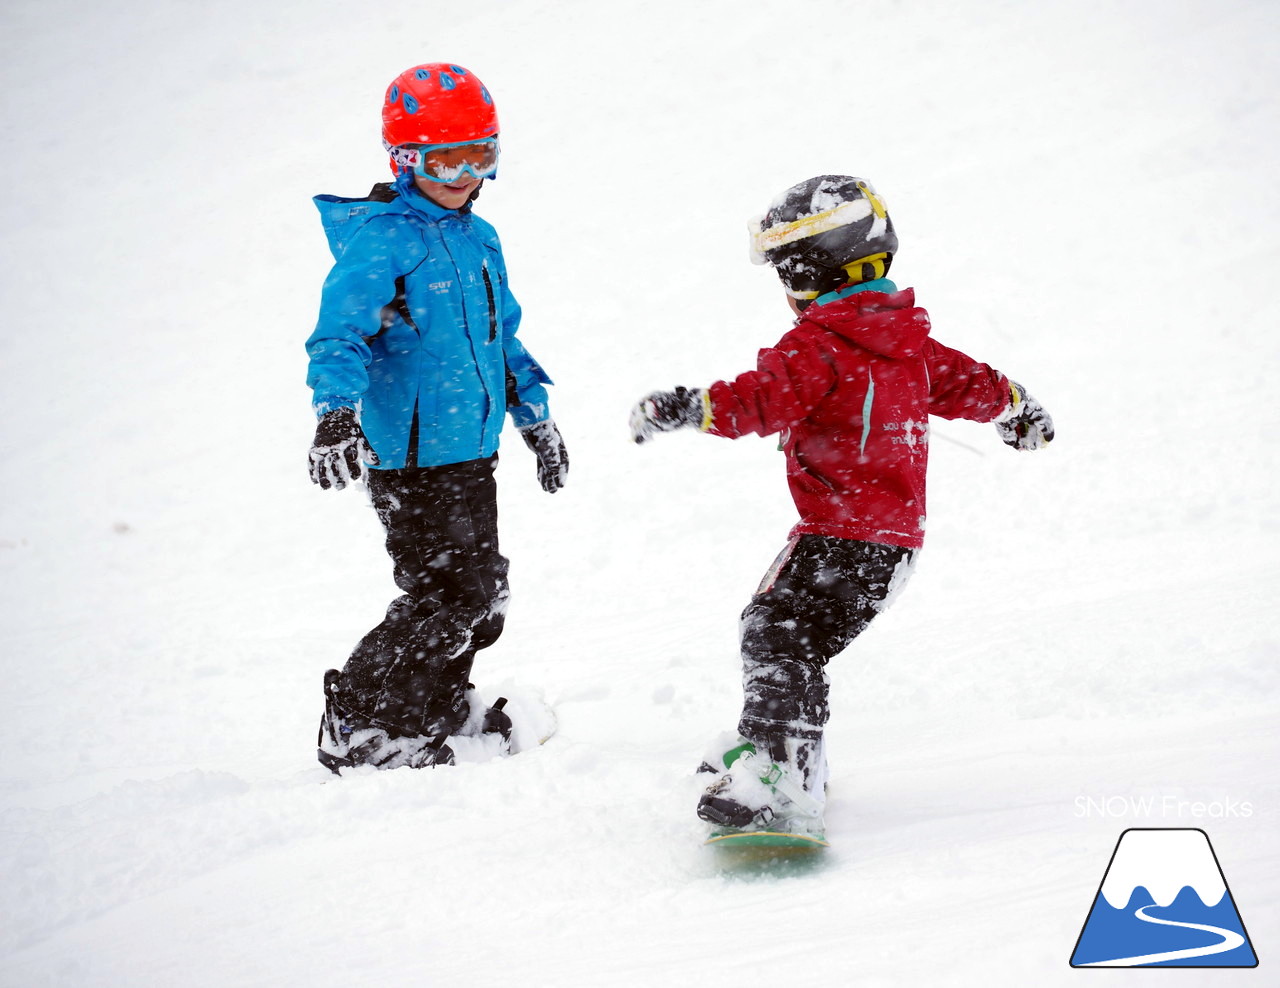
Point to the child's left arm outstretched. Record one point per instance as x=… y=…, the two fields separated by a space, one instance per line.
x=963 y=388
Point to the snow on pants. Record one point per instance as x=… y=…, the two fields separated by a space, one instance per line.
x=818 y=596
x=409 y=674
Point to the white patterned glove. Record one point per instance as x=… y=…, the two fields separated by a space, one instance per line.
x=664 y=411
x=339 y=450
x=553 y=459
x=1025 y=424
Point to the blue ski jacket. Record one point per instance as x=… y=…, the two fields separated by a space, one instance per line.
x=416 y=319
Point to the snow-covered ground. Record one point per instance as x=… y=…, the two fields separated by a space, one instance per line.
x=1086 y=198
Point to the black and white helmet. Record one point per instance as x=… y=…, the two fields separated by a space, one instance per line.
x=817 y=231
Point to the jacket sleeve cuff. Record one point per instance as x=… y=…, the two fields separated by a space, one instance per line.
x=528 y=414
x=1017 y=395
x=323 y=406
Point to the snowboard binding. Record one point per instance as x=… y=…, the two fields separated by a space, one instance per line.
x=348 y=739
x=764 y=791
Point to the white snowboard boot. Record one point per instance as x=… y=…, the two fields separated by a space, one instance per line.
x=780 y=785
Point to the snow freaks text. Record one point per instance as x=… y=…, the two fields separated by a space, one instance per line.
x=1162 y=806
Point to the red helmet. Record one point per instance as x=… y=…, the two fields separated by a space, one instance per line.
x=437 y=103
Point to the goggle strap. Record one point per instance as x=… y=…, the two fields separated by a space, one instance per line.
x=764 y=241
x=491 y=139
x=857 y=270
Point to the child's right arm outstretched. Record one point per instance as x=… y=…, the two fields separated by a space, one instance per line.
x=785 y=387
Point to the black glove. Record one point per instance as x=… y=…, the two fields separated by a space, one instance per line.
x=338 y=450
x=553 y=459
x=663 y=411
x=1025 y=424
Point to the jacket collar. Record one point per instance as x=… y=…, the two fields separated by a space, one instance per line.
x=887 y=324
x=876 y=285
x=423 y=206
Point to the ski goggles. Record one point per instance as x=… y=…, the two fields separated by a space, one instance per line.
x=449 y=162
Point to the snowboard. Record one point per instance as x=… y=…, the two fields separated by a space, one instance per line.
x=774 y=839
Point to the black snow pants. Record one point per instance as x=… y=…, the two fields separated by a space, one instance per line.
x=819 y=595
x=409 y=674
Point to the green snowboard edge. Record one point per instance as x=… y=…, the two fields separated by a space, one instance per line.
x=766 y=838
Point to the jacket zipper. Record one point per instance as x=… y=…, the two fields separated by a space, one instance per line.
x=493 y=311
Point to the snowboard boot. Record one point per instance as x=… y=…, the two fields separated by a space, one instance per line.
x=778 y=785
x=348 y=739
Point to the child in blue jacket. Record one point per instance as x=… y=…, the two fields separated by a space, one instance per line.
x=415 y=365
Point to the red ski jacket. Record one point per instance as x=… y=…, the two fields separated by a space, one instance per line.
x=851 y=388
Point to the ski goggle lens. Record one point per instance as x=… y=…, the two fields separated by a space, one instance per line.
x=449 y=162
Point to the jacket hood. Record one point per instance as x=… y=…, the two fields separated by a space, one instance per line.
x=886 y=323
x=342 y=217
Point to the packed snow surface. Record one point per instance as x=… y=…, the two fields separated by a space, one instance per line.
x=1085 y=195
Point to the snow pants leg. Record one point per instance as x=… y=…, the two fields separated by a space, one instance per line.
x=409 y=674
x=818 y=596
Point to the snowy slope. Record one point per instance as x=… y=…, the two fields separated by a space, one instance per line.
x=1085 y=196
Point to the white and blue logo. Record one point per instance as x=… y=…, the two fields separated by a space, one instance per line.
x=1164 y=902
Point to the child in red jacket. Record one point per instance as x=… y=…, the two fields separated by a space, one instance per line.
x=850 y=388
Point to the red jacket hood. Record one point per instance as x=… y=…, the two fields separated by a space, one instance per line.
x=886 y=324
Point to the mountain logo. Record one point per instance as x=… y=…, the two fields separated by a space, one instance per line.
x=1163 y=902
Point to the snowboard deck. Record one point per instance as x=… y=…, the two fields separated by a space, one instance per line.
x=777 y=839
